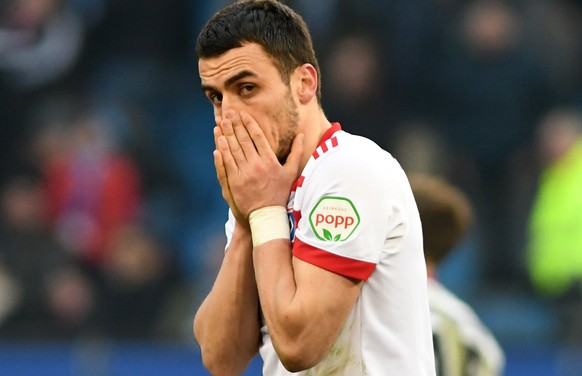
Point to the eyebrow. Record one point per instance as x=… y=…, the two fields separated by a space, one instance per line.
x=231 y=80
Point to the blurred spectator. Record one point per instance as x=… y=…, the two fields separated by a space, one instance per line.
x=555 y=227
x=463 y=345
x=55 y=298
x=420 y=148
x=320 y=16
x=39 y=41
x=555 y=30
x=92 y=186
x=356 y=90
x=40 y=44
x=141 y=65
x=137 y=47
x=492 y=92
x=9 y=292
x=136 y=283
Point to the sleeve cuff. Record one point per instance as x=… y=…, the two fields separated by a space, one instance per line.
x=341 y=265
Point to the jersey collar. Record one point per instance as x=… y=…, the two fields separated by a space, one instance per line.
x=329 y=132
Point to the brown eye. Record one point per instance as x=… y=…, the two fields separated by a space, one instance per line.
x=215 y=98
x=246 y=89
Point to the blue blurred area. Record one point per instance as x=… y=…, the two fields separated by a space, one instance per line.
x=103 y=358
x=152 y=358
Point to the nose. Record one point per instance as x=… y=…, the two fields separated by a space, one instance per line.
x=228 y=103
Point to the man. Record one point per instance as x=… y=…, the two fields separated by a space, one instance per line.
x=324 y=272
x=554 y=236
x=463 y=345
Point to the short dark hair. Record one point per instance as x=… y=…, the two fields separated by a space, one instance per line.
x=445 y=213
x=281 y=32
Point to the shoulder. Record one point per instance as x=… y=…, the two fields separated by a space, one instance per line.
x=357 y=169
x=360 y=146
x=354 y=157
x=354 y=166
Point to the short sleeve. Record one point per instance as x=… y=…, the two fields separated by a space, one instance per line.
x=349 y=203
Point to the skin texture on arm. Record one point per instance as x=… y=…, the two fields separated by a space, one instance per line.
x=227 y=325
x=304 y=306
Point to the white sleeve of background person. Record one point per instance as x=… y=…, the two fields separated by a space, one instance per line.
x=460 y=330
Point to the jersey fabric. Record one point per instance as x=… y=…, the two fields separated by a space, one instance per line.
x=463 y=345
x=353 y=213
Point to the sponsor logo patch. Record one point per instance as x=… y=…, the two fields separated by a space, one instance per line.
x=334 y=219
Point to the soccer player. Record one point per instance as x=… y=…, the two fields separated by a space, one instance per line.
x=463 y=345
x=323 y=272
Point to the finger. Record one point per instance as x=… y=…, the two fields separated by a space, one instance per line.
x=294 y=159
x=220 y=170
x=222 y=178
x=257 y=135
x=228 y=131
x=243 y=137
x=217 y=133
x=228 y=161
x=221 y=175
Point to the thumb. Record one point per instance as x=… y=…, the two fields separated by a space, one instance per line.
x=294 y=157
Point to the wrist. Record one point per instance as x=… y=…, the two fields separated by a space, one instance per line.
x=269 y=223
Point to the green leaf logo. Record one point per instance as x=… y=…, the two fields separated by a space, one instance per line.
x=327 y=234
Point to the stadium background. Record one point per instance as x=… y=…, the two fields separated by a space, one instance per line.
x=111 y=220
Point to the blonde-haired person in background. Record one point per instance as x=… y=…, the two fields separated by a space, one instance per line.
x=463 y=345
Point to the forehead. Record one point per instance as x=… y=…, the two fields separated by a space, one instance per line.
x=250 y=56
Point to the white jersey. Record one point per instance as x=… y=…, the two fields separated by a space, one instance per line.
x=353 y=213
x=463 y=345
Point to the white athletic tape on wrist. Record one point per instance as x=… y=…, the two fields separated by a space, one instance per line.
x=268 y=223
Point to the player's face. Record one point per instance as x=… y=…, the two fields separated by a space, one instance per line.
x=246 y=79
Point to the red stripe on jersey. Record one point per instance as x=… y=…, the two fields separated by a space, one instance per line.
x=297 y=217
x=329 y=132
x=333 y=142
x=326 y=136
x=334 y=263
x=299 y=182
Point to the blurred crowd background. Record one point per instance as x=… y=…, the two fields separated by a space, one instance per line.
x=111 y=219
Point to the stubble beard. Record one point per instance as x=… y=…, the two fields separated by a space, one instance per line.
x=289 y=117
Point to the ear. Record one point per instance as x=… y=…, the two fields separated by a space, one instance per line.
x=307 y=83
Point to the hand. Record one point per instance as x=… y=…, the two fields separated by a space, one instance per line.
x=254 y=175
x=222 y=179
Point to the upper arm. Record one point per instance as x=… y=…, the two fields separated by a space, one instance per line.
x=326 y=299
x=327 y=293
